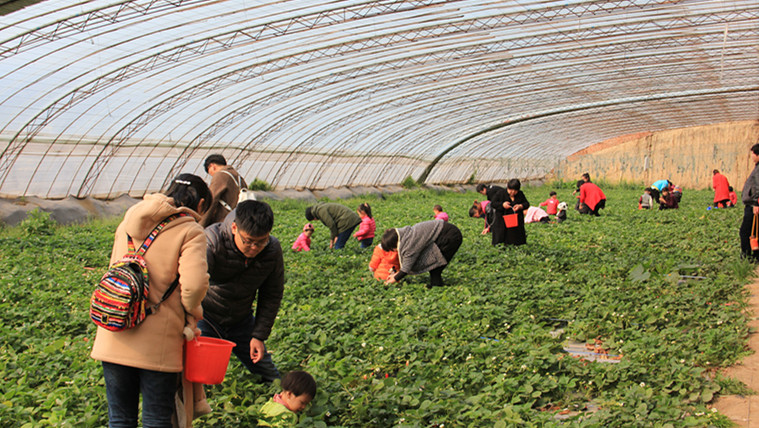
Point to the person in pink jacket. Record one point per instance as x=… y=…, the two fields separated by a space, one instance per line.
x=479 y=210
x=147 y=359
x=536 y=215
x=366 y=228
x=303 y=243
x=439 y=213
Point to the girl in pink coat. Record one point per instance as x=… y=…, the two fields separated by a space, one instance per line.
x=303 y=243
x=365 y=234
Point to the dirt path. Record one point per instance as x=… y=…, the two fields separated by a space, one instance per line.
x=744 y=410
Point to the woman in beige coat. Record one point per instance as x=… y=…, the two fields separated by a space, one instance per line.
x=147 y=359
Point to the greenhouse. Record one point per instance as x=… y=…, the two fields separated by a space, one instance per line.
x=631 y=318
x=318 y=94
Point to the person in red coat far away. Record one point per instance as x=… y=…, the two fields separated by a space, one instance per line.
x=721 y=189
x=592 y=198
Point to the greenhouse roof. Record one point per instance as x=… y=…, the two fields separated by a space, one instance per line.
x=106 y=97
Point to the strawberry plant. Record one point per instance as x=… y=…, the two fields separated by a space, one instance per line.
x=664 y=289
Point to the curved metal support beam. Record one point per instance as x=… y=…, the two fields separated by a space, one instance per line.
x=423 y=178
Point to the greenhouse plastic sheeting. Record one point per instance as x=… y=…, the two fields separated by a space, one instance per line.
x=108 y=97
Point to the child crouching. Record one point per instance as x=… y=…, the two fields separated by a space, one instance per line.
x=303 y=243
x=383 y=263
x=298 y=389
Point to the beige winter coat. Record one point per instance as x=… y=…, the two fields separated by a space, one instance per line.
x=180 y=247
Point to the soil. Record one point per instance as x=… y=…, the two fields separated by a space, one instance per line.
x=744 y=410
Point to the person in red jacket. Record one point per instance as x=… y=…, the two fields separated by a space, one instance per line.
x=721 y=189
x=592 y=199
x=733 y=197
x=551 y=203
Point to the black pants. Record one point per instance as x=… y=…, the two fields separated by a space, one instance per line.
x=745 y=234
x=599 y=205
x=448 y=242
x=655 y=194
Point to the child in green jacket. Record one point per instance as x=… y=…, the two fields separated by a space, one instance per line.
x=298 y=389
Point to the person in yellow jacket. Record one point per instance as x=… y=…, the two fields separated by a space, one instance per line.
x=147 y=359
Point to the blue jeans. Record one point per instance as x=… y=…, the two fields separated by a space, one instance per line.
x=366 y=243
x=241 y=334
x=342 y=238
x=123 y=385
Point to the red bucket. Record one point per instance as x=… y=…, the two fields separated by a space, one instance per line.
x=511 y=220
x=206 y=360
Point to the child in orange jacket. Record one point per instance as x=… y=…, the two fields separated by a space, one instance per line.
x=384 y=262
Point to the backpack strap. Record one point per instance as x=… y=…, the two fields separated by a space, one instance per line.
x=238 y=179
x=145 y=245
x=151 y=309
x=239 y=186
x=149 y=240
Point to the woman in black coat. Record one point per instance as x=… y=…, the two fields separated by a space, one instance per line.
x=516 y=203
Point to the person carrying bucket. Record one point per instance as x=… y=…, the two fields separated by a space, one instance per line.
x=245 y=264
x=147 y=359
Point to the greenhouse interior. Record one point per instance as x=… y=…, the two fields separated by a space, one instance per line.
x=358 y=93
x=106 y=102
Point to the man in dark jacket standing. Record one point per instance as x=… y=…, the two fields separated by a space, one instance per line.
x=245 y=264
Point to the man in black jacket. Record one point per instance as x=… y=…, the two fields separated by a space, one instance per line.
x=245 y=264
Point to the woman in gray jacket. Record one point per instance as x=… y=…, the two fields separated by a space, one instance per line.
x=424 y=247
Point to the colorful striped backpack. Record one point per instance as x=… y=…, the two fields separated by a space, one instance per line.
x=119 y=301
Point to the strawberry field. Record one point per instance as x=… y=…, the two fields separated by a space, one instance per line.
x=660 y=292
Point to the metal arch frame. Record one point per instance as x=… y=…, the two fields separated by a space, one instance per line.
x=184 y=96
x=372 y=152
x=84 y=186
x=222 y=42
x=433 y=165
x=80 y=23
x=622 y=131
x=617 y=109
x=587 y=108
x=363 y=113
x=212 y=84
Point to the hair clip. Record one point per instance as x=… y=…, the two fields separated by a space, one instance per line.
x=186 y=183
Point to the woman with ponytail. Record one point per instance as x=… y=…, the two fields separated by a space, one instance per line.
x=147 y=359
